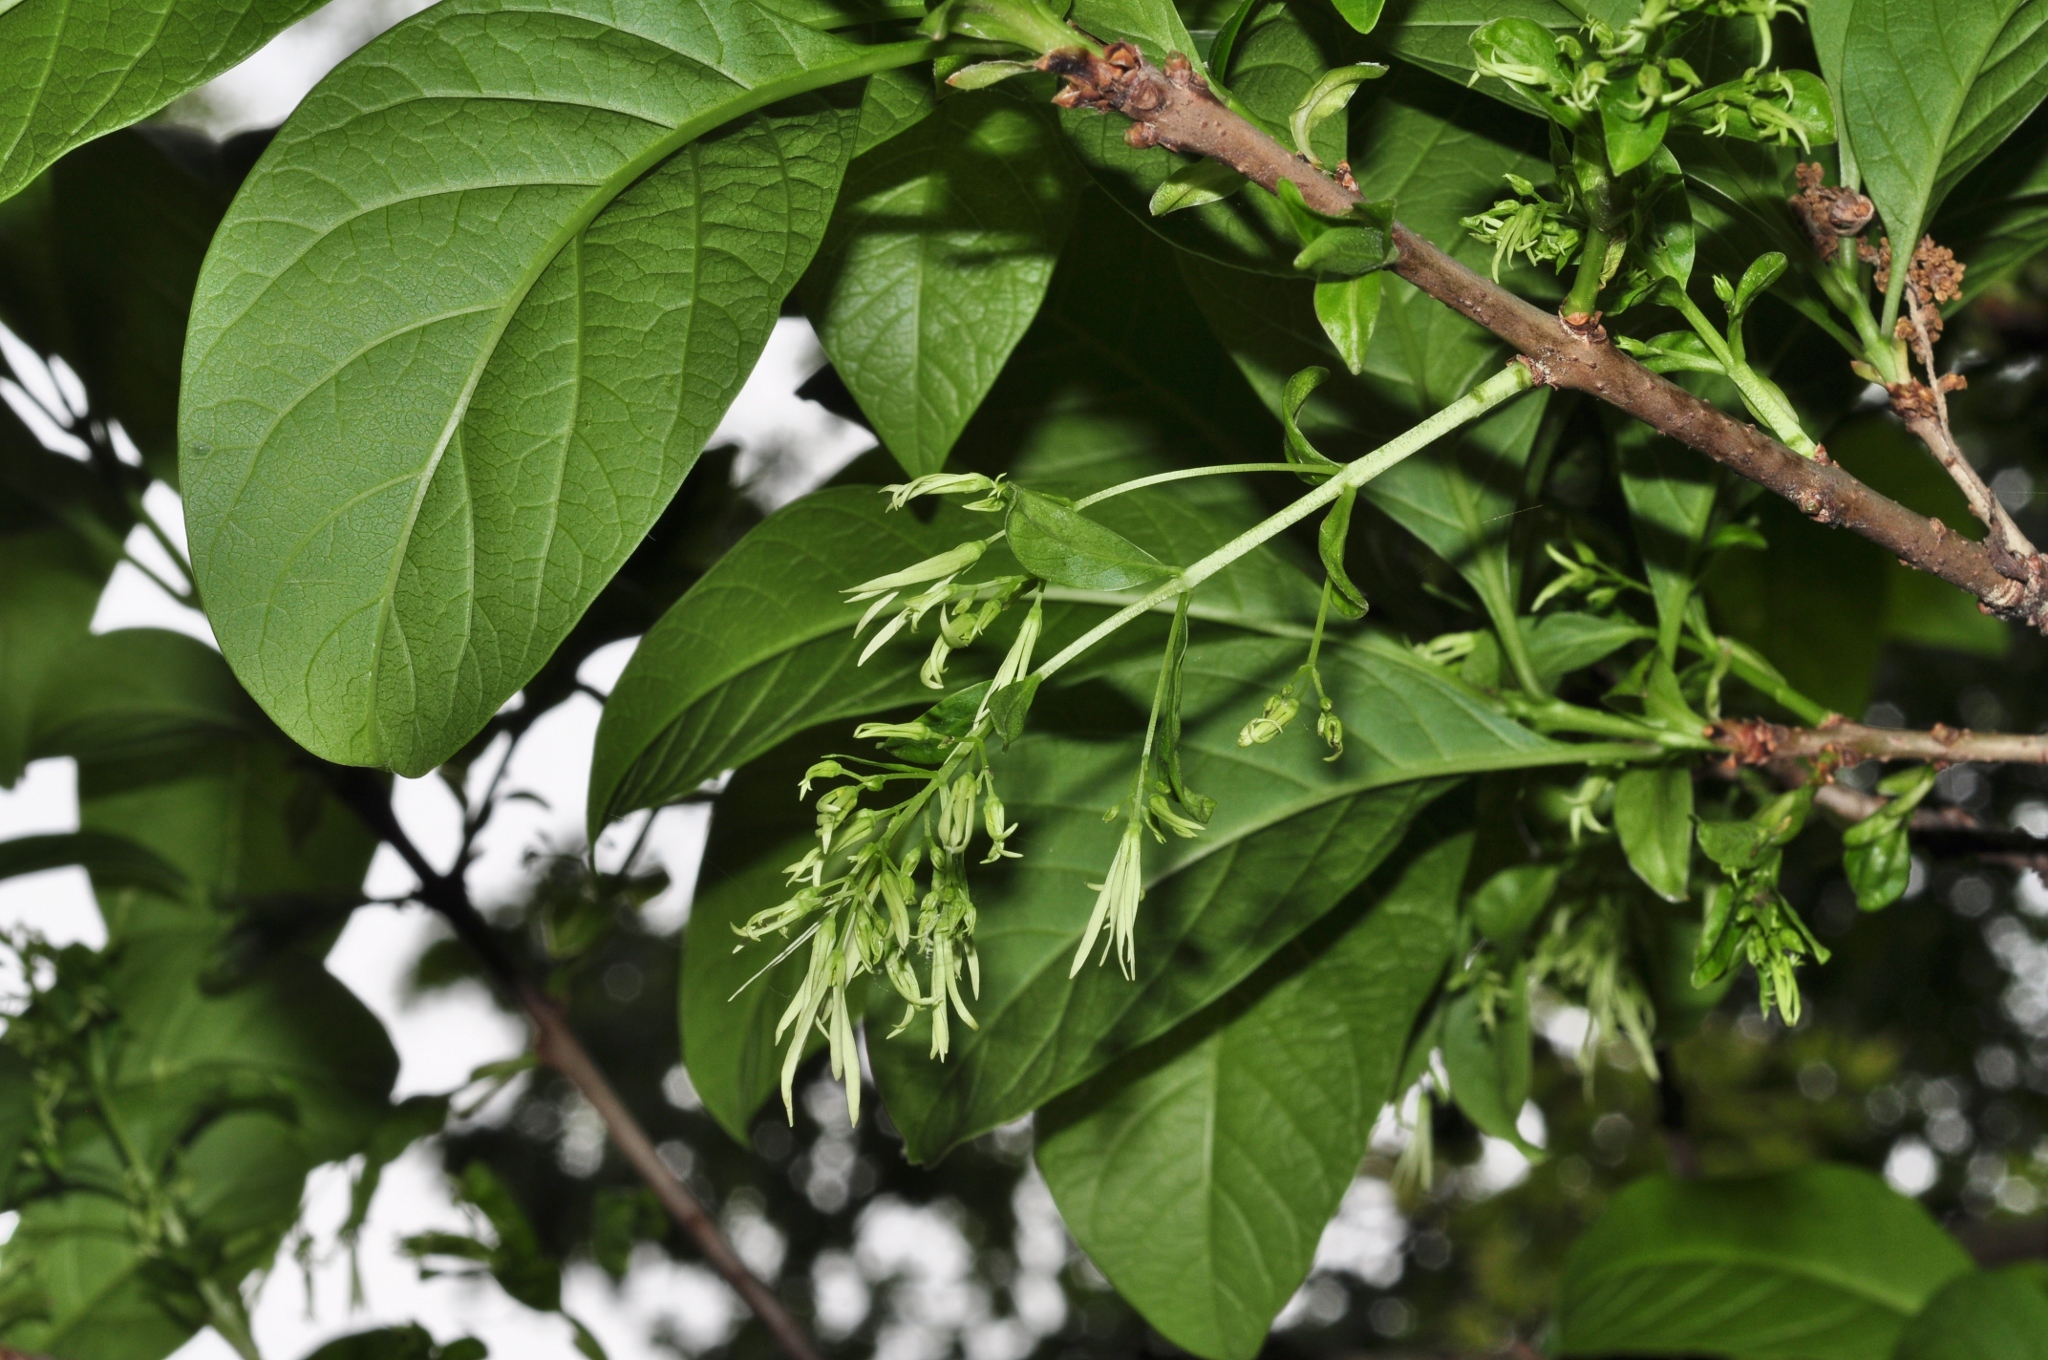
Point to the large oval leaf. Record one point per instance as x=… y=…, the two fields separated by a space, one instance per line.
x=74 y=69
x=1822 y=1263
x=1985 y=1315
x=937 y=260
x=1975 y=71
x=1198 y=1172
x=1291 y=836
x=466 y=328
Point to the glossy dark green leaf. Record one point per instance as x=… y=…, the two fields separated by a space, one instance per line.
x=894 y=102
x=1507 y=905
x=1363 y=15
x=1437 y=34
x=1821 y=1263
x=1063 y=547
x=75 y=69
x=1653 y=817
x=407 y=472
x=17 y=1116
x=50 y=585
x=1631 y=138
x=1348 y=309
x=1879 y=866
x=138 y=692
x=1565 y=641
x=938 y=257
x=1331 y=539
x=384 y=1343
x=1670 y=493
x=1976 y=72
x=1488 y=1062
x=1985 y=1315
x=1277 y=1085
x=98 y=259
x=1996 y=218
x=112 y=859
x=1291 y=835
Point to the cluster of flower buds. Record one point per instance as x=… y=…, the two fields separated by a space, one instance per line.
x=1749 y=918
x=1281 y=709
x=1539 y=229
x=885 y=888
x=964 y=609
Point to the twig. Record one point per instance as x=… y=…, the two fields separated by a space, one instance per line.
x=1172 y=107
x=556 y=1044
x=1754 y=742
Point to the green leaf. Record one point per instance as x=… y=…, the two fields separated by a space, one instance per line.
x=936 y=262
x=1340 y=247
x=76 y=69
x=1509 y=903
x=1154 y=27
x=1566 y=641
x=138 y=692
x=1063 y=547
x=1488 y=1064
x=1276 y=55
x=1437 y=34
x=1348 y=309
x=1975 y=72
x=1653 y=816
x=1327 y=97
x=1331 y=539
x=17 y=1116
x=1985 y=1315
x=1195 y=186
x=763 y=646
x=1276 y=1086
x=98 y=259
x=1670 y=493
x=1363 y=15
x=50 y=584
x=112 y=859
x=1822 y=1263
x=407 y=472
x=1095 y=404
x=1996 y=218
x=894 y=102
x=385 y=1343
x=1290 y=837
x=1631 y=139
x=1876 y=855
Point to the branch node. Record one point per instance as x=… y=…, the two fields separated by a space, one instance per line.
x=1585 y=327
x=1539 y=373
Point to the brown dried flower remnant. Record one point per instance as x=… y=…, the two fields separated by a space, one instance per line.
x=1829 y=212
x=1914 y=400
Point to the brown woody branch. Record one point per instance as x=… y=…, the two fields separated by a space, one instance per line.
x=1754 y=742
x=1172 y=107
x=557 y=1045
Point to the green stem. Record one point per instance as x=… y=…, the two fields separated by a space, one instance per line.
x=1181 y=475
x=1585 y=293
x=1759 y=393
x=1509 y=382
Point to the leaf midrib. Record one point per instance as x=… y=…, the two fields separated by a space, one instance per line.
x=860 y=62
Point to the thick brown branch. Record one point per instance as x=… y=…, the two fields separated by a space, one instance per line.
x=556 y=1044
x=1172 y=107
x=1846 y=743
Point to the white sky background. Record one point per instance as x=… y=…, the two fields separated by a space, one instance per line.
x=442 y=1039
